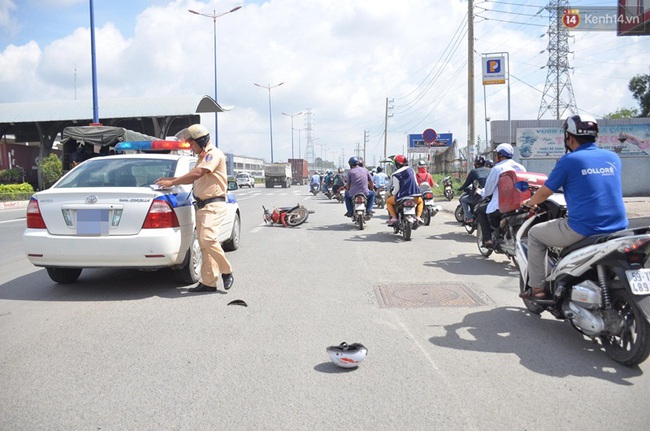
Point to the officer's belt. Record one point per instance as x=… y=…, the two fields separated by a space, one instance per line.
x=200 y=203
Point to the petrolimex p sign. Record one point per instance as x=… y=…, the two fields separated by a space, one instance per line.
x=494 y=70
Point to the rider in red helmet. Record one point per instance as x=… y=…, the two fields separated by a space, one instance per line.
x=404 y=184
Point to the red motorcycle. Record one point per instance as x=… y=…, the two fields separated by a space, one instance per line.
x=286 y=216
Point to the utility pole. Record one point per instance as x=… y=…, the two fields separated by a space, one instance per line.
x=386 y=117
x=470 y=80
x=366 y=135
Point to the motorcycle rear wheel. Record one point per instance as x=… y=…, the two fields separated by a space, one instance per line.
x=449 y=194
x=485 y=252
x=297 y=216
x=360 y=221
x=632 y=346
x=459 y=214
x=426 y=217
x=406 y=230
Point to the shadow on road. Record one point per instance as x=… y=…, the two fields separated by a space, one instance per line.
x=474 y=265
x=514 y=330
x=95 y=285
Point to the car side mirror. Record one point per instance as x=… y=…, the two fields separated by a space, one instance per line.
x=232 y=185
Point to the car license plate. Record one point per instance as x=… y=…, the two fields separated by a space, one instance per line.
x=92 y=222
x=639 y=281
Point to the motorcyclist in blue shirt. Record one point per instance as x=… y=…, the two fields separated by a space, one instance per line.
x=591 y=180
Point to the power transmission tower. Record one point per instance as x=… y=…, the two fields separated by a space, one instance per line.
x=558 y=93
x=366 y=137
x=310 y=154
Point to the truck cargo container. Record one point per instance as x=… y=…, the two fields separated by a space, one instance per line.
x=299 y=171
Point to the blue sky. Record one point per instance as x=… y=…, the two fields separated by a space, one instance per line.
x=339 y=58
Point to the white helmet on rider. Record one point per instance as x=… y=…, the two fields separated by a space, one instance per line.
x=505 y=150
x=347 y=355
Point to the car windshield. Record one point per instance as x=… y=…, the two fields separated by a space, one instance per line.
x=242 y=176
x=118 y=172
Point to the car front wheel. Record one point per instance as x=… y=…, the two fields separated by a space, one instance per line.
x=190 y=272
x=233 y=243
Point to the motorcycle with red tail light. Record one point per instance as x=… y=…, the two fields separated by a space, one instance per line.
x=430 y=209
x=359 y=217
x=600 y=284
x=407 y=221
x=286 y=216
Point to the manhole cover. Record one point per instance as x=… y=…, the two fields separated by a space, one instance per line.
x=427 y=295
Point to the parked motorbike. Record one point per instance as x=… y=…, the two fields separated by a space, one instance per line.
x=448 y=188
x=380 y=197
x=286 y=216
x=430 y=209
x=406 y=217
x=359 y=217
x=314 y=188
x=600 y=285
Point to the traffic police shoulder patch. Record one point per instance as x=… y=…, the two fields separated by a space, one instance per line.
x=208 y=157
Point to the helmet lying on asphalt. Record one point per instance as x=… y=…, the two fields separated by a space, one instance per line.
x=347 y=355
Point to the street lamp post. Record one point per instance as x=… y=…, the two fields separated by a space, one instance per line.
x=299 y=143
x=214 y=17
x=269 y=87
x=291 y=115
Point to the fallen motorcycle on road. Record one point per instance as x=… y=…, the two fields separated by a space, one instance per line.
x=286 y=216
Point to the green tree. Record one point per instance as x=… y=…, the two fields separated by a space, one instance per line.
x=640 y=88
x=623 y=113
x=51 y=170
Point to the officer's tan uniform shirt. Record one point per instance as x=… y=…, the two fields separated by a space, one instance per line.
x=215 y=183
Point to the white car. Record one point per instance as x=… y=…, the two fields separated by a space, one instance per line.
x=245 y=180
x=107 y=213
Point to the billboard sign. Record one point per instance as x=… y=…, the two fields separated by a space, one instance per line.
x=494 y=70
x=632 y=140
x=417 y=143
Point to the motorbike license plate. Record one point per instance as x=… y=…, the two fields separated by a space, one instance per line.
x=639 y=281
x=409 y=210
x=360 y=207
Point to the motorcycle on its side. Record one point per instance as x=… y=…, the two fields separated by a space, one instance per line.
x=600 y=284
x=406 y=217
x=359 y=217
x=448 y=188
x=286 y=216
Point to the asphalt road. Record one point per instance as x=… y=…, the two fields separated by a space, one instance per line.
x=450 y=344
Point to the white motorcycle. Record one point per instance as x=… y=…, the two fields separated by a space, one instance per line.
x=359 y=217
x=599 y=284
x=430 y=208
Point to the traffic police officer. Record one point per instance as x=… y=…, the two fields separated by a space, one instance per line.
x=210 y=186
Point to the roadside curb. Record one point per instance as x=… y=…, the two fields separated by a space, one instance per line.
x=10 y=205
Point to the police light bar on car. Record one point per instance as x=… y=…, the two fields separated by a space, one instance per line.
x=152 y=146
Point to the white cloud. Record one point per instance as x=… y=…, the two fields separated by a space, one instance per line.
x=340 y=58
